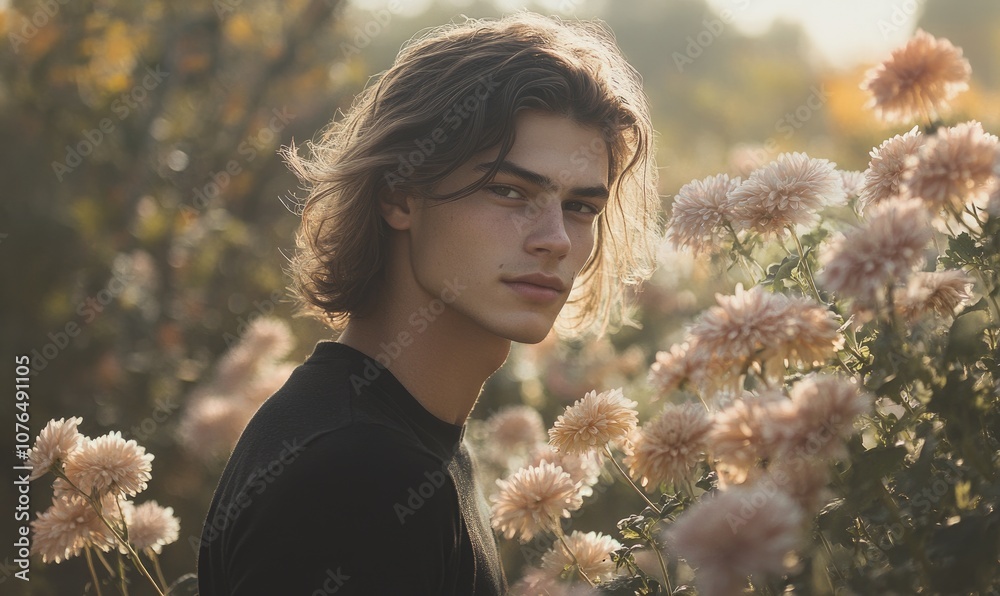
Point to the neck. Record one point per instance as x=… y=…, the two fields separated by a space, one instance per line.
x=442 y=359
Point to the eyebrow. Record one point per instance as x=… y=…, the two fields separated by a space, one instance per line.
x=512 y=169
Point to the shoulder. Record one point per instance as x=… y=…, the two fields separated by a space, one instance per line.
x=367 y=468
x=336 y=502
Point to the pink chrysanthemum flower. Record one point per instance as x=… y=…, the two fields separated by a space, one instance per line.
x=700 y=214
x=853 y=181
x=110 y=464
x=532 y=500
x=266 y=341
x=954 y=168
x=886 y=248
x=213 y=423
x=938 y=291
x=785 y=193
x=151 y=527
x=53 y=445
x=824 y=410
x=583 y=468
x=918 y=80
x=884 y=176
x=675 y=367
x=731 y=334
x=804 y=479
x=734 y=534
x=811 y=335
x=745 y=433
x=597 y=420
x=540 y=582
x=669 y=447
x=516 y=427
x=69 y=525
x=593 y=552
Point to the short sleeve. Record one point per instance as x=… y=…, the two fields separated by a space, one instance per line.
x=358 y=510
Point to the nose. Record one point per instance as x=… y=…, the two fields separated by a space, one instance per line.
x=547 y=230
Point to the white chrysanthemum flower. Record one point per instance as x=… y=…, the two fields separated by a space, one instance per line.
x=54 y=444
x=532 y=500
x=597 y=420
x=592 y=550
x=110 y=464
x=151 y=526
x=69 y=525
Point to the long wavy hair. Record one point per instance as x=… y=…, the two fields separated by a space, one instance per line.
x=451 y=93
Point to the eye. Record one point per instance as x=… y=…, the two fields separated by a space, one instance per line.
x=581 y=207
x=507 y=192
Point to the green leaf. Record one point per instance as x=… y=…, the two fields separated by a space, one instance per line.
x=965 y=340
x=878 y=462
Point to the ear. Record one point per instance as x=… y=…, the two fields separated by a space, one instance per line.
x=397 y=210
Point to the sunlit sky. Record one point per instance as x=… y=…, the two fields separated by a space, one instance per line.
x=843 y=32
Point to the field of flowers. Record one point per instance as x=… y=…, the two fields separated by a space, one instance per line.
x=829 y=426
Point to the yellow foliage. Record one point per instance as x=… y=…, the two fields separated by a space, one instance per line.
x=846 y=104
x=238 y=30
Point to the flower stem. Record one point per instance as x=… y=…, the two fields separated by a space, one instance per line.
x=559 y=534
x=121 y=570
x=629 y=480
x=663 y=568
x=93 y=572
x=156 y=565
x=124 y=542
x=805 y=265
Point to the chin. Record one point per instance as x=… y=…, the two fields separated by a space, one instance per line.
x=526 y=332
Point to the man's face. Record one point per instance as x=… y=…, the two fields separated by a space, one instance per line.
x=492 y=254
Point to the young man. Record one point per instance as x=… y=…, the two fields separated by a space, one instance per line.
x=499 y=175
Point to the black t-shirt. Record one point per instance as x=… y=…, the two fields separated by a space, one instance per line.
x=342 y=483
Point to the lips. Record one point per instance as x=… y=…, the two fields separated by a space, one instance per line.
x=551 y=282
x=538 y=288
